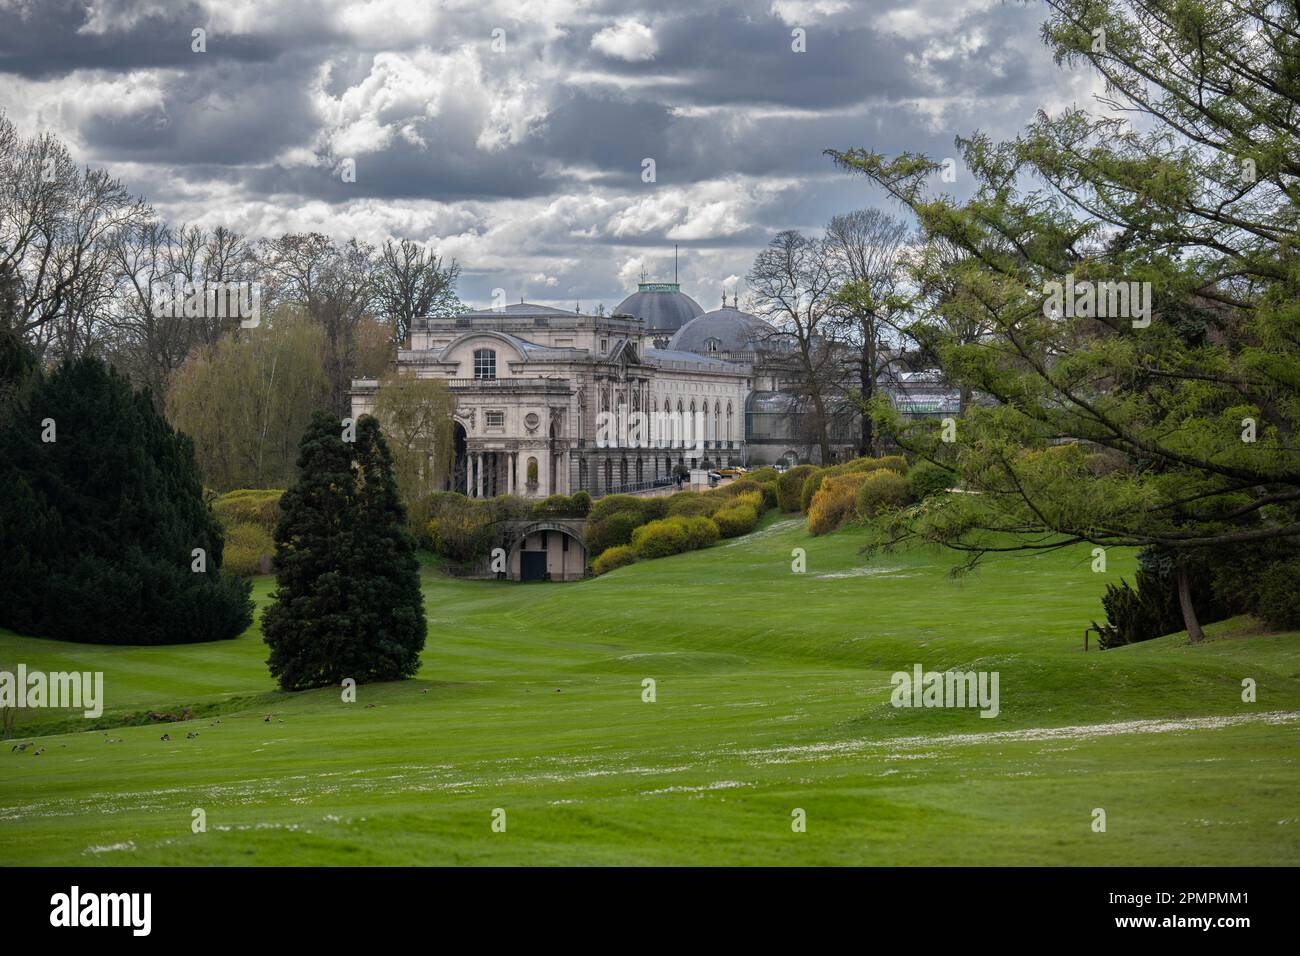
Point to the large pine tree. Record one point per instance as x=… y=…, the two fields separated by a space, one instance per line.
x=101 y=513
x=348 y=601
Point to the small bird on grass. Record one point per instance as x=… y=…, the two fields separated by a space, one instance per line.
x=165 y=737
x=191 y=735
x=39 y=752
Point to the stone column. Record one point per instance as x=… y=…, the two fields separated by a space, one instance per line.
x=478 y=484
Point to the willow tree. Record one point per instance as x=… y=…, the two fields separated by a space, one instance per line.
x=1171 y=427
x=416 y=414
x=246 y=402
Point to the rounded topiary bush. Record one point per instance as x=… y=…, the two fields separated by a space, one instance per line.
x=658 y=539
x=744 y=486
x=926 y=478
x=892 y=462
x=615 y=557
x=652 y=509
x=246 y=545
x=835 y=502
x=615 y=504
x=700 y=532
x=611 y=530
x=790 y=485
x=689 y=504
x=810 y=486
x=881 y=490
x=735 y=520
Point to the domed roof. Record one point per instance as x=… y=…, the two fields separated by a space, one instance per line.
x=723 y=330
x=662 y=306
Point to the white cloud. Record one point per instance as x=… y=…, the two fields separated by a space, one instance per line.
x=628 y=40
x=794 y=13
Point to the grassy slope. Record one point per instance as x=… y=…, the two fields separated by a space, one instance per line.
x=772 y=694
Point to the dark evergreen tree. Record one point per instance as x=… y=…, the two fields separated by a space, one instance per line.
x=348 y=601
x=101 y=510
x=390 y=607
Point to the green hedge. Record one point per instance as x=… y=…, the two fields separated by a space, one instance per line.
x=926 y=478
x=246 y=545
x=881 y=489
x=659 y=539
x=259 y=506
x=615 y=557
x=790 y=486
x=736 y=520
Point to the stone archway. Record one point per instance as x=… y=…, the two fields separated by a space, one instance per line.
x=547 y=551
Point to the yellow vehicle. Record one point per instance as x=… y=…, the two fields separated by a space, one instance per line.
x=734 y=471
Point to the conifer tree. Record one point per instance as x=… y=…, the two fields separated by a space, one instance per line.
x=348 y=600
x=105 y=536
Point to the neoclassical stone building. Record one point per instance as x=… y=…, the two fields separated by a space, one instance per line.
x=533 y=385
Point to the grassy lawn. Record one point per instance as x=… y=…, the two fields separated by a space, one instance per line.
x=772 y=694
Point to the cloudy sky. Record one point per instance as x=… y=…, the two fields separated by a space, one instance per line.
x=512 y=134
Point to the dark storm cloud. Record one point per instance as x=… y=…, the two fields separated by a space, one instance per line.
x=50 y=38
x=265 y=117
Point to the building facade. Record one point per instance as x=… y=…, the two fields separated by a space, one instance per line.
x=547 y=400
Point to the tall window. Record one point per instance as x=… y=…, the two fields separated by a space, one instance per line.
x=485 y=363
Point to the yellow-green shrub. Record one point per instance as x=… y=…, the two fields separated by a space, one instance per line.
x=658 y=539
x=259 y=506
x=689 y=504
x=810 y=486
x=246 y=543
x=790 y=485
x=700 y=532
x=736 y=520
x=834 y=502
x=615 y=557
x=881 y=490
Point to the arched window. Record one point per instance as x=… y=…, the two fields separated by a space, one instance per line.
x=485 y=363
x=717 y=423
x=711 y=345
x=668 y=407
x=728 y=423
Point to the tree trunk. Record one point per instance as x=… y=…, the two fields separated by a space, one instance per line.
x=823 y=428
x=1194 y=632
x=867 y=378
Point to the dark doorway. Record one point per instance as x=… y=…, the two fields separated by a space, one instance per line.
x=458 y=471
x=532 y=565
